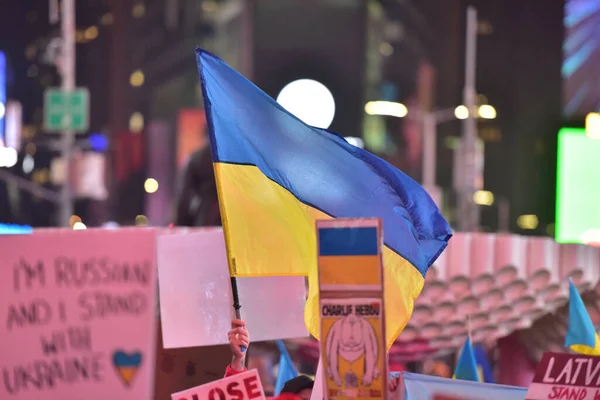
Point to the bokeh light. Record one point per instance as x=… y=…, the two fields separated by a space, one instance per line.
x=310 y=101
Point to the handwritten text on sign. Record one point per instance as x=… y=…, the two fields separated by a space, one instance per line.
x=244 y=386
x=566 y=376
x=78 y=314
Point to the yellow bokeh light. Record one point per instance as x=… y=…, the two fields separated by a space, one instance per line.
x=91 y=33
x=137 y=78
x=461 y=112
x=487 y=111
x=389 y=108
x=386 y=49
x=528 y=222
x=107 y=19
x=141 y=220
x=592 y=125
x=210 y=6
x=136 y=122
x=483 y=198
x=79 y=37
x=151 y=185
x=138 y=10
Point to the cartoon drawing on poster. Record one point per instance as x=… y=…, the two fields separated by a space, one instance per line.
x=351 y=338
x=353 y=350
x=77 y=319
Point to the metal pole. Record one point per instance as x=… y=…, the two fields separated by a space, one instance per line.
x=68 y=85
x=429 y=150
x=503 y=214
x=247 y=48
x=469 y=211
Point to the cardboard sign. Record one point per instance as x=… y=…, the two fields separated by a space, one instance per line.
x=353 y=350
x=350 y=255
x=78 y=312
x=244 y=386
x=566 y=376
x=193 y=266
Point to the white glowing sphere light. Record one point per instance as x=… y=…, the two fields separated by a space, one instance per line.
x=310 y=101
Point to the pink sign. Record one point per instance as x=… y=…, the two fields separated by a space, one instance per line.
x=566 y=376
x=244 y=386
x=78 y=313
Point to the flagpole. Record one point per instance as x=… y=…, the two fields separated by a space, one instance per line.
x=236 y=302
x=469 y=326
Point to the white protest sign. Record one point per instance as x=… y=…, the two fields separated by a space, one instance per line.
x=196 y=303
x=243 y=386
x=317 y=393
x=78 y=315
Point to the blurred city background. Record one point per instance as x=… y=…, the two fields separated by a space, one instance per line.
x=140 y=112
x=103 y=125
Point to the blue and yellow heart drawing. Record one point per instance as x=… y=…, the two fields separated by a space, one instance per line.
x=127 y=365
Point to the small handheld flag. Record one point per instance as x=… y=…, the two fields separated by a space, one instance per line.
x=581 y=335
x=466 y=367
x=287 y=370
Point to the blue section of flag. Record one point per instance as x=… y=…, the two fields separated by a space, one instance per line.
x=287 y=370
x=348 y=242
x=486 y=373
x=318 y=167
x=466 y=367
x=581 y=330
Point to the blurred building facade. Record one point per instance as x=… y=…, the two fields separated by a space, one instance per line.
x=519 y=54
x=136 y=57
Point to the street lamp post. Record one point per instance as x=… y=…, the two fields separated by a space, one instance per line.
x=468 y=216
x=68 y=85
x=429 y=121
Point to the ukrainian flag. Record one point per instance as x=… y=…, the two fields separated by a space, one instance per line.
x=287 y=370
x=484 y=368
x=276 y=176
x=466 y=367
x=581 y=335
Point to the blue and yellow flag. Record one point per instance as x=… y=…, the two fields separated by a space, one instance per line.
x=287 y=370
x=466 y=367
x=581 y=335
x=484 y=368
x=276 y=176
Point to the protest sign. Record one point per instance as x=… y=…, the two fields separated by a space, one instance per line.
x=350 y=255
x=79 y=315
x=566 y=376
x=425 y=387
x=353 y=349
x=244 y=386
x=193 y=266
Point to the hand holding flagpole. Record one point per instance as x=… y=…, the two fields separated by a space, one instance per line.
x=236 y=302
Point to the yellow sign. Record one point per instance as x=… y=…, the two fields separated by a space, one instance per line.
x=353 y=348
